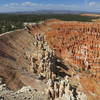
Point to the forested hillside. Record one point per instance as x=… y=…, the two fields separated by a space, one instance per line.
x=10 y=22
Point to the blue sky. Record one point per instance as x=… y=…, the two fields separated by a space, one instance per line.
x=31 y=5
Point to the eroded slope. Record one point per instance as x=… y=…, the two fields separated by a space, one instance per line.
x=77 y=44
x=61 y=58
x=14 y=64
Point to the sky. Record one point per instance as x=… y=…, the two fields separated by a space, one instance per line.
x=32 y=5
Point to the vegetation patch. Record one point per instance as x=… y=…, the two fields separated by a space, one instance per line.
x=9 y=22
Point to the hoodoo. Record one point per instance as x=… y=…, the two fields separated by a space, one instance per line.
x=51 y=60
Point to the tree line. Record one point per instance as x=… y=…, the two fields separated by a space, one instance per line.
x=9 y=22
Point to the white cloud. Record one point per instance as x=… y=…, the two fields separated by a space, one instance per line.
x=11 y=5
x=29 y=4
x=92 y=3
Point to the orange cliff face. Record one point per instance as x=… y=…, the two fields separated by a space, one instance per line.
x=77 y=44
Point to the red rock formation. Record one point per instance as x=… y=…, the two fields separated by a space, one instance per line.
x=78 y=44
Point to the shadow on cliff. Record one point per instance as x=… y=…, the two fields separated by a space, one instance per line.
x=60 y=69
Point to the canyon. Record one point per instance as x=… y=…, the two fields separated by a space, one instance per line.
x=58 y=59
